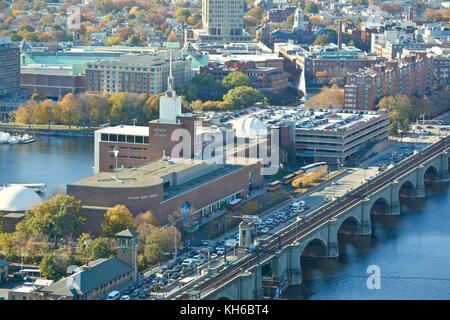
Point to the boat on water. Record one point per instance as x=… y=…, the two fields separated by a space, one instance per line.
x=37 y=187
x=6 y=138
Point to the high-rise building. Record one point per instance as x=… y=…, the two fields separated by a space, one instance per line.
x=10 y=64
x=223 y=21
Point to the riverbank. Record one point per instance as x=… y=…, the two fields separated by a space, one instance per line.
x=56 y=131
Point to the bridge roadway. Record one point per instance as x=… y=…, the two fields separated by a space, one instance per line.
x=323 y=214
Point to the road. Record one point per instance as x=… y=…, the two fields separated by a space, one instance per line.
x=321 y=216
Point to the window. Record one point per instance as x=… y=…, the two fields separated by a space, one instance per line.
x=105 y=137
x=130 y=139
x=113 y=137
x=139 y=139
x=121 y=138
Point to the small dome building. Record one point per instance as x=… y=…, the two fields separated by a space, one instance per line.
x=14 y=201
x=18 y=199
x=250 y=127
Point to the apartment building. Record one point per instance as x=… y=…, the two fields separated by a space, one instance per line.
x=10 y=62
x=136 y=73
x=410 y=76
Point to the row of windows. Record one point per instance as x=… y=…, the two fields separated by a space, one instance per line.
x=124 y=138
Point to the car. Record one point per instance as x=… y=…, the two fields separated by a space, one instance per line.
x=164 y=267
x=205 y=243
x=213 y=256
x=275 y=222
x=125 y=297
x=269 y=221
x=283 y=219
x=191 y=253
x=114 y=295
x=265 y=230
x=220 y=251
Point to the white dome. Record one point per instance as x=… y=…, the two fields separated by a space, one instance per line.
x=18 y=199
x=250 y=127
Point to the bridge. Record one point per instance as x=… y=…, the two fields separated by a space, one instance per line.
x=276 y=263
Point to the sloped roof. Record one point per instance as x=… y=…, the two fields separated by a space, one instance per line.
x=98 y=273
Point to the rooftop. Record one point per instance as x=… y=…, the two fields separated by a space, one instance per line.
x=308 y=119
x=89 y=277
x=126 y=130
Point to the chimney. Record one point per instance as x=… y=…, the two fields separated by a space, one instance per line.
x=340 y=36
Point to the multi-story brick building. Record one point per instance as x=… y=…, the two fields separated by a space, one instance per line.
x=136 y=73
x=326 y=62
x=265 y=71
x=441 y=69
x=410 y=76
x=53 y=81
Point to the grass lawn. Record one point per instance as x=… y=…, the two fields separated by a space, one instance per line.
x=44 y=126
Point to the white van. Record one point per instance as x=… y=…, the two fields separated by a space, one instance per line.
x=190 y=262
x=114 y=295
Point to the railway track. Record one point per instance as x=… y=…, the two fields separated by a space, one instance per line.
x=322 y=215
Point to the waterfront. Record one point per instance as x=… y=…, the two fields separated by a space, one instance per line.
x=55 y=161
x=411 y=249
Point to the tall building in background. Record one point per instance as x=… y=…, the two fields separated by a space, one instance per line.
x=223 y=21
x=10 y=67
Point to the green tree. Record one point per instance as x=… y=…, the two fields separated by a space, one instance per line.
x=236 y=79
x=54 y=218
x=99 y=248
x=117 y=219
x=54 y=266
x=312 y=7
x=242 y=97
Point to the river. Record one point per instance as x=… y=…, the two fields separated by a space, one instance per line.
x=55 y=161
x=412 y=249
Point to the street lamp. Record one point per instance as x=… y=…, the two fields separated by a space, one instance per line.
x=334 y=188
x=116 y=155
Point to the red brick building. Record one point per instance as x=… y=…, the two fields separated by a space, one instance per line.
x=411 y=76
x=265 y=72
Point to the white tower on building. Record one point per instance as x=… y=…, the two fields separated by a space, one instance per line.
x=170 y=103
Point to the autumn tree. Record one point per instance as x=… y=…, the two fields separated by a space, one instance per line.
x=26 y=113
x=161 y=241
x=45 y=112
x=117 y=219
x=327 y=98
x=69 y=110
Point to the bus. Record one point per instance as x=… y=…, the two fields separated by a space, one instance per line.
x=314 y=166
x=288 y=179
x=274 y=186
